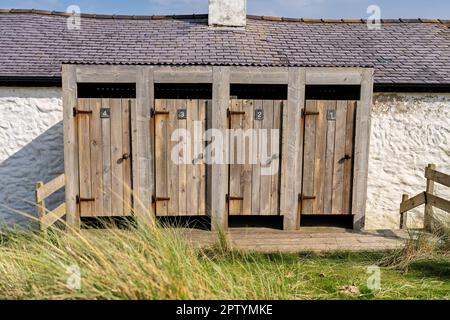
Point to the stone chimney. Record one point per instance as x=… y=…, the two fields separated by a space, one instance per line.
x=227 y=13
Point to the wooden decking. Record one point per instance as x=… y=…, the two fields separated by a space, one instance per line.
x=308 y=239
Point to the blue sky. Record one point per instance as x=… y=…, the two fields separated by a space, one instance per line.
x=286 y=8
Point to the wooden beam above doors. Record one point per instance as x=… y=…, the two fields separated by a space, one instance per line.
x=204 y=74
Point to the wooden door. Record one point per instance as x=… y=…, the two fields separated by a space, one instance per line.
x=180 y=185
x=104 y=157
x=251 y=191
x=328 y=153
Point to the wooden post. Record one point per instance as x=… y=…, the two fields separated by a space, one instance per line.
x=69 y=86
x=362 y=144
x=428 y=215
x=142 y=143
x=404 y=215
x=219 y=178
x=291 y=163
x=40 y=205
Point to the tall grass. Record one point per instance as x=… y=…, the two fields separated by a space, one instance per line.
x=149 y=261
x=142 y=262
x=422 y=246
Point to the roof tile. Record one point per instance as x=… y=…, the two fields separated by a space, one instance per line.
x=407 y=51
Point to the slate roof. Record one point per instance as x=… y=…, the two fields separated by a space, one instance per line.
x=35 y=43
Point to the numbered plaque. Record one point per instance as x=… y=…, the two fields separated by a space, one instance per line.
x=182 y=114
x=105 y=113
x=259 y=114
x=331 y=115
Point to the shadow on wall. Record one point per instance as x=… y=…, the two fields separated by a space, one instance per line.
x=41 y=159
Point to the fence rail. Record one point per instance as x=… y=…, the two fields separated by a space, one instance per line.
x=43 y=191
x=428 y=198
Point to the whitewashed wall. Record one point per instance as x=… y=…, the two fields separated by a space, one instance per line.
x=409 y=131
x=31 y=147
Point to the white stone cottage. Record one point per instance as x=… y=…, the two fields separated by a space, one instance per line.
x=410 y=115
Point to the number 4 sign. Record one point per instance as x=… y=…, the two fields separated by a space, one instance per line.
x=105 y=113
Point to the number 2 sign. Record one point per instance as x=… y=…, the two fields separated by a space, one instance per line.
x=259 y=114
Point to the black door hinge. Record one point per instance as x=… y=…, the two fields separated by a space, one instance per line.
x=77 y=112
x=80 y=199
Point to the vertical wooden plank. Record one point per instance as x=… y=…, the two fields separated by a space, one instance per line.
x=202 y=109
x=291 y=165
x=235 y=165
x=40 y=206
x=161 y=158
x=126 y=149
x=276 y=152
x=221 y=97
x=152 y=189
x=106 y=158
x=266 y=180
x=404 y=215
x=192 y=169
x=85 y=157
x=309 y=157
x=362 y=144
x=349 y=150
x=329 y=161
x=69 y=88
x=116 y=155
x=143 y=144
x=182 y=167
x=96 y=157
x=246 y=168
x=208 y=161
x=256 y=168
x=172 y=169
x=339 y=157
x=320 y=156
x=148 y=145
x=428 y=215
x=137 y=204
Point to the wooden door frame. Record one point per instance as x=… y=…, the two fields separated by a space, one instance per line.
x=296 y=78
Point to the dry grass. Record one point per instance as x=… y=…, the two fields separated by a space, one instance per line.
x=151 y=262
x=141 y=263
x=422 y=246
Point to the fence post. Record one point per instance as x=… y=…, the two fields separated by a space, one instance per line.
x=404 y=215
x=40 y=205
x=428 y=216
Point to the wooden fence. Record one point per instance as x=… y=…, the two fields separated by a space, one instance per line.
x=43 y=191
x=428 y=198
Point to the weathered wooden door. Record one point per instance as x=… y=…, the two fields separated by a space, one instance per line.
x=255 y=182
x=104 y=157
x=180 y=168
x=328 y=153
